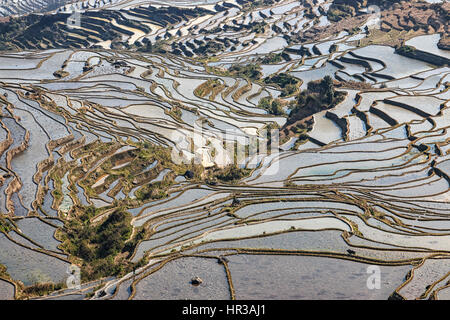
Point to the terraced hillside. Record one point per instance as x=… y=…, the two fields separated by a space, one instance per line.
x=128 y=148
x=20 y=7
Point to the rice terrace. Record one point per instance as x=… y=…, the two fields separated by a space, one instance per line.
x=224 y=149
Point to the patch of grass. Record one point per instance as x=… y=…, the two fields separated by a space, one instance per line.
x=41 y=289
x=5 y=226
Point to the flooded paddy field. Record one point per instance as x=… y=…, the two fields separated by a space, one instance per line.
x=146 y=163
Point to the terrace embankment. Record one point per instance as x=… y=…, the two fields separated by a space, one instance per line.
x=51 y=30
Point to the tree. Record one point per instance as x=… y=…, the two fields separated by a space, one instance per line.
x=276 y=108
x=327 y=84
x=85 y=252
x=149 y=47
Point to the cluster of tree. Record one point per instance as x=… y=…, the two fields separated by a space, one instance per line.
x=333 y=48
x=251 y=4
x=258 y=27
x=4 y=46
x=273 y=106
x=13 y=26
x=154 y=191
x=411 y=52
x=5 y=225
x=149 y=47
x=285 y=81
x=405 y=49
x=98 y=245
x=319 y=95
x=210 y=47
x=225 y=6
x=272 y=58
x=341 y=9
x=40 y=289
x=249 y=71
x=337 y=12
x=10 y=30
x=231 y=173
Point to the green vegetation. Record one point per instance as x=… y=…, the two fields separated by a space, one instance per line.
x=337 y=12
x=24 y=31
x=103 y=246
x=272 y=58
x=5 y=225
x=231 y=173
x=8 y=30
x=209 y=87
x=333 y=48
x=342 y=9
x=176 y=112
x=319 y=95
x=157 y=47
x=273 y=106
x=4 y=46
x=36 y=31
x=428 y=57
x=153 y=191
x=133 y=175
x=258 y=27
x=249 y=71
x=210 y=47
x=3 y=272
x=99 y=245
x=253 y=4
x=40 y=289
x=353 y=30
x=405 y=49
x=324 y=89
x=287 y=83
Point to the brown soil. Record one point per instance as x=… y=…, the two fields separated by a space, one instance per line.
x=400 y=22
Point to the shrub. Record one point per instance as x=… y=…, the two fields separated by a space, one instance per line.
x=250 y=71
x=273 y=106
